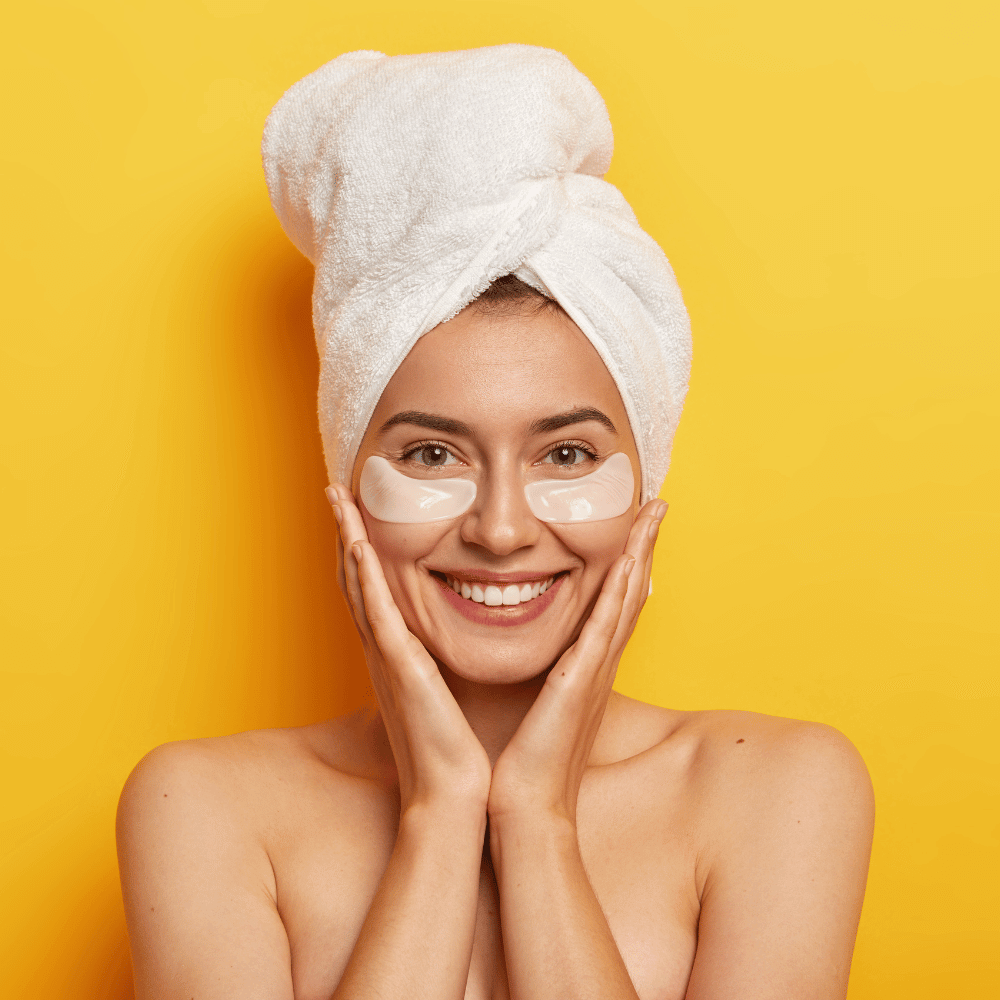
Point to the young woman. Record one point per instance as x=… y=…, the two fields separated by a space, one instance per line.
x=504 y=824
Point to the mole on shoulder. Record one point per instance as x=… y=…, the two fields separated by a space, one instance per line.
x=740 y=741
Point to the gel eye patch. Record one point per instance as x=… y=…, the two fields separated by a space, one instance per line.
x=391 y=496
x=604 y=493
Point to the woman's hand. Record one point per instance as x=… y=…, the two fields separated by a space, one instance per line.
x=440 y=761
x=538 y=774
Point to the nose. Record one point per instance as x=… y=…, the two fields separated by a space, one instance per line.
x=499 y=519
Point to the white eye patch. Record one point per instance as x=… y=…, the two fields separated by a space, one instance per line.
x=391 y=496
x=604 y=493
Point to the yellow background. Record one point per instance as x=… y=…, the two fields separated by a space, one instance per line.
x=824 y=180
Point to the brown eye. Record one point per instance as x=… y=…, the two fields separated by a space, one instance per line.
x=566 y=455
x=432 y=454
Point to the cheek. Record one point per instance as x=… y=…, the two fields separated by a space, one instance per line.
x=597 y=543
x=399 y=546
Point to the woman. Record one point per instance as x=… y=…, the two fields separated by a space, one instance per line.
x=504 y=357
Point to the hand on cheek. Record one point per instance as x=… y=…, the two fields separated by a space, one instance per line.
x=440 y=762
x=539 y=773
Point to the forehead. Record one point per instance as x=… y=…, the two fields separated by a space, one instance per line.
x=508 y=369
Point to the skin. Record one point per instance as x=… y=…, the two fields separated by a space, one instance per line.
x=504 y=824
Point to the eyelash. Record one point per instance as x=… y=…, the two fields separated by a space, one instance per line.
x=579 y=445
x=420 y=445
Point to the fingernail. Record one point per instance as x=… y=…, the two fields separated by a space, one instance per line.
x=356 y=549
x=663 y=512
x=654 y=529
x=629 y=563
x=337 y=513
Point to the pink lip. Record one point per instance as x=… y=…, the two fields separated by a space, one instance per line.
x=516 y=614
x=498 y=579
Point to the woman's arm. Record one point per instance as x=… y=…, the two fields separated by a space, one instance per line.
x=417 y=938
x=788 y=833
x=198 y=887
x=201 y=898
x=792 y=823
x=791 y=820
x=556 y=938
x=200 y=893
x=416 y=941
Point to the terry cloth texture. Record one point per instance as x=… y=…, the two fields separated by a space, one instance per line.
x=412 y=182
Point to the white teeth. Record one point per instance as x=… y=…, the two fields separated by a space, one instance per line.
x=494 y=596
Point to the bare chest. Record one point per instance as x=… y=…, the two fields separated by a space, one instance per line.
x=641 y=870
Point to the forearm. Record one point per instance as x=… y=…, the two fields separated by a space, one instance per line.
x=416 y=941
x=557 y=941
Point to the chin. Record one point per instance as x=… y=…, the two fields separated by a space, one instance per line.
x=503 y=664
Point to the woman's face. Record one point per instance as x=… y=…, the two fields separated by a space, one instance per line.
x=503 y=400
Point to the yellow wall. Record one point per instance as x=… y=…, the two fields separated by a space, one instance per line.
x=824 y=179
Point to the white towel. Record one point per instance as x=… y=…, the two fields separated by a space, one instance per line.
x=412 y=182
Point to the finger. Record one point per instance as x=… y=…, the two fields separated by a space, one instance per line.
x=643 y=531
x=594 y=643
x=389 y=629
x=347 y=569
x=352 y=525
x=355 y=602
x=642 y=539
x=646 y=534
x=341 y=578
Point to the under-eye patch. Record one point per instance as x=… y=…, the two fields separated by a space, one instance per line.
x=604 y=493
x=391 y=496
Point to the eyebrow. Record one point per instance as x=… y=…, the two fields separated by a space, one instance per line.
x=578 y=416
x=444 y=425
x=544 y=425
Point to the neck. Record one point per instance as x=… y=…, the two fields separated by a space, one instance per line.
x=493 y=711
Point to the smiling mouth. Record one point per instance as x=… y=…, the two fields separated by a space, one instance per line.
x=499 y=594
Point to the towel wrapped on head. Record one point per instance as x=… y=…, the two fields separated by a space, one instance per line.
x=413 y=182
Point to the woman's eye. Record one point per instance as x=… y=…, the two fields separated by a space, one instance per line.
x=432 y=455
x=567 y=455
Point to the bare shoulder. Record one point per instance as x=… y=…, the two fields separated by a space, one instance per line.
x=751 y=753
x=712 y=745
x=777 y=816
x=209 y=776
x=245 y=781
x=765 y=787
x=204 y=830
x=195 y=803
x=745 y=772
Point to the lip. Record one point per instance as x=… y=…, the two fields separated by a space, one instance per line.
x=517 y=614
x=498 y=579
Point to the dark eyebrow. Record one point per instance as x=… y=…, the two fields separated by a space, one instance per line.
x=578 y=416
x=431 y=421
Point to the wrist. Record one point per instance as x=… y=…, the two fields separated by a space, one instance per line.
x=446 y=819
x=531 y=841
x=529 y=810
